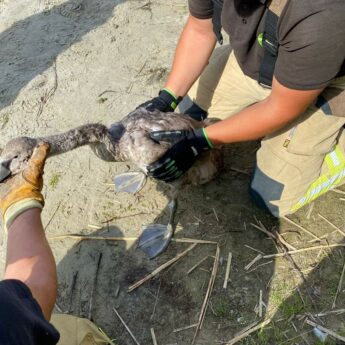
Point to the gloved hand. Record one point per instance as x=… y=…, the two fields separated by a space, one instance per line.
x=165 y=102
x=181 y=156
x=23 y=191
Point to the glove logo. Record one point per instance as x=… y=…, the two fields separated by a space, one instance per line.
x=195 y=151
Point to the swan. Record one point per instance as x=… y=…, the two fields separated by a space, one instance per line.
x=126 y=140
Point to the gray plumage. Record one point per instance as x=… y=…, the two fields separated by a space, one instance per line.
x=126 y=140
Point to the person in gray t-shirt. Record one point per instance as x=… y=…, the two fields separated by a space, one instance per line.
x=280 y=80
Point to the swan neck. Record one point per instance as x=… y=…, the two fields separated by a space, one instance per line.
x=80 y=136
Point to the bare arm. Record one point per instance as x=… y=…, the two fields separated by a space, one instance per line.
x=281 y=107
x=193 y=51
x=30 y=259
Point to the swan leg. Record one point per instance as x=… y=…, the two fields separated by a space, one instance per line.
x=155 y=238
x=131 y=182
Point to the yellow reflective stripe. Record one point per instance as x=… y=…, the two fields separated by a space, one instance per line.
x=334 y=158
x=329 y=162
x=340 y=154
x=336 y=163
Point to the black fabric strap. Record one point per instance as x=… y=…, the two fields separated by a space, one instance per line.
x=217 y=19
x=270 y=44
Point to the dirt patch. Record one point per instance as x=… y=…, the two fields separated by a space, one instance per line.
x=66 y=63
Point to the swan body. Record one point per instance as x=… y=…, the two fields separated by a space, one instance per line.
x=126 y=140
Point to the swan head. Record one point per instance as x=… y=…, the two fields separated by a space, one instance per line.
x=15 y=155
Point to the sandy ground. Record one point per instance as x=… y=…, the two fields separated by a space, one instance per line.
x=66 y=63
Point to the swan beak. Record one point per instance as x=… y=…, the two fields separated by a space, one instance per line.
x=4 y=170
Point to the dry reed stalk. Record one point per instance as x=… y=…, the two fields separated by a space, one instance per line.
x=117 y=290
x=215 y=214
x=94 y=285
x=326 y=313
x=331 y=224
x=301 y=335
x=74 y=281
x=339 y=286
x=86 y=237
x=323 y=237
x=127 y=328
x=185 y=328
x=260 y=304
x=208 y=295
x=227 y=272
x=122 y=217
x=284 y=246
x=192 y=240
x=153 y=335
x=245 y=329
x=304 y=338
x=111 y=238
x=197 y=264
x=161 y=268
x=96 y=227
x=302 y=228
x=310 y=210
x=258 y=266
x=156 y=300
x=276 y=237
x=337 y=191
x=294 y=327
x=255 y=250
x=53 y=215
x=128 y=239
x=325 y=330
x=240 y=171
x=302 y=250
x=257 y=258
x=245 y=334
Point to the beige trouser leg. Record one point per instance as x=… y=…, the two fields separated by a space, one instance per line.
x=77 y=331
x=223 y=89
x=294 y=166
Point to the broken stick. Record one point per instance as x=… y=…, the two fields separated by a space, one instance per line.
x=161 y=268
x=227 y=273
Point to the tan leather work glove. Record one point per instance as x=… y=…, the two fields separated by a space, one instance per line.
x=23 y=191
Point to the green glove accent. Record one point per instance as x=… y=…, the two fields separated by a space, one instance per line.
x=169 y=98
x=207 y=139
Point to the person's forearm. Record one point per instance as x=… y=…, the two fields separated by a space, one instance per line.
x=281 y=107
x=30 y=259
x=193 y=51
x=252 y=123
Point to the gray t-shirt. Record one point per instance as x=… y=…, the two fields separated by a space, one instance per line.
x=311 y=36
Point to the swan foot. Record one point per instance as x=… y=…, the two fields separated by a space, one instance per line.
x=155 y=238
x=131 y=182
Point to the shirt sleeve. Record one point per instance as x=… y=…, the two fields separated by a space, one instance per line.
x=312 y=49
x=201 y=9
x=20 y=311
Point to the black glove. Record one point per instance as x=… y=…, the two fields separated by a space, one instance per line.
x=181 y=156
x=165 y=102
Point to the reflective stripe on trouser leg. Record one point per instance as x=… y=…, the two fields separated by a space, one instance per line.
x=335 y=161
